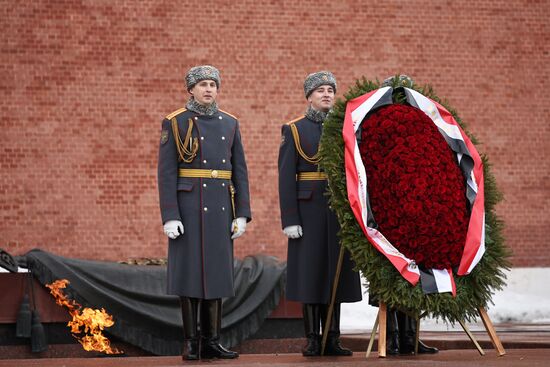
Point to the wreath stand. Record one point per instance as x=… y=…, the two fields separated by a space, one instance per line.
x=380 y=325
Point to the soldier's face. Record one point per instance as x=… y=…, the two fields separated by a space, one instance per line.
x=322 y=98
x=205 y=92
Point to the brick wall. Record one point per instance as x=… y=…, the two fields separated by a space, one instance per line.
x=85 y=84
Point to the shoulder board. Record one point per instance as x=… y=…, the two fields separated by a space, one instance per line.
x=175 y=113
x=296 y=119
x=227 y=113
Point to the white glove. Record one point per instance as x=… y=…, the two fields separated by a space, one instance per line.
x=238 y=227
x=173 y=228
x=293 y=231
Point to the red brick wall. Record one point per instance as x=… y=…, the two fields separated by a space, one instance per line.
x=85 y=84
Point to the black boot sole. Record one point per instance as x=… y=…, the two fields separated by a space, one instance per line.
x=219 y=357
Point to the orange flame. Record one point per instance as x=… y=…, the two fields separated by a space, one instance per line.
x=88 y=321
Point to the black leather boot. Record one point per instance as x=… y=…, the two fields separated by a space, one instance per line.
x=191 y=346
x=312 y=329
x=425 y=349
x=407 y=336
x=392 y=333
x=211 y=324
x=333 y=346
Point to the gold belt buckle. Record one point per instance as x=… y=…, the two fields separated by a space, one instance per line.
x=214 y=173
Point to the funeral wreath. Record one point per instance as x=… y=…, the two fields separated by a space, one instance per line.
x=414 y=199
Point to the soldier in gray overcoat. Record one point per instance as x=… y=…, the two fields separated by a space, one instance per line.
x=310 y=225
x=204 y=203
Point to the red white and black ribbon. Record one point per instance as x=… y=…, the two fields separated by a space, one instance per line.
x=469 y=162
x=437 y=281
x=472 y=167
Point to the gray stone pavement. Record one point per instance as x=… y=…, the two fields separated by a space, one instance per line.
x=526 y=345
x=450 y=358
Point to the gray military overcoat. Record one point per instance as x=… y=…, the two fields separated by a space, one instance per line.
x=200 y=262
x=312 y=259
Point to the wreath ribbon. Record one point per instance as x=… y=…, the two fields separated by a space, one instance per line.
x=469 y=162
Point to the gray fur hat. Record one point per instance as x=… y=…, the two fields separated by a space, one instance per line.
x=202 y=72
x=398 y=81
x=315 y=80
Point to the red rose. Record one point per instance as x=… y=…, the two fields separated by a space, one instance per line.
x=416 y=189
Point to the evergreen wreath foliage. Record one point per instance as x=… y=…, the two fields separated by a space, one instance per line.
x=384 y=281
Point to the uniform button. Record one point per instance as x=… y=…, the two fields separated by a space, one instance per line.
x=223 y=160
x=223 y=208
x=202 y=137
x=204 y=161
x=220 y=117
x=203 y=185
x=205 y=209
x=196 y=118
x=223 y=137
x=223 y=183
